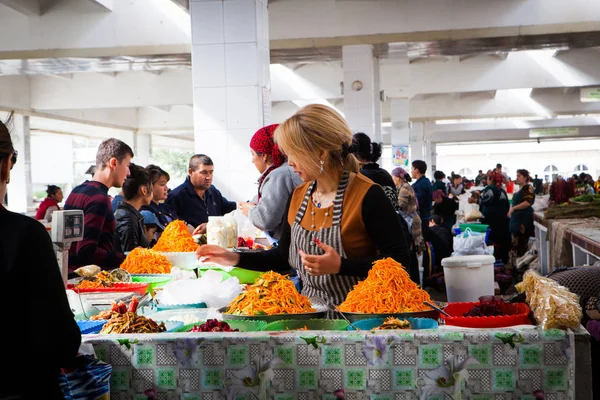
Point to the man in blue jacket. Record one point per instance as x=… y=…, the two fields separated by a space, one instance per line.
x=423 y=191
x=196 y=199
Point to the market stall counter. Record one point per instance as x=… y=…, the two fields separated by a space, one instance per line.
x=523 y=362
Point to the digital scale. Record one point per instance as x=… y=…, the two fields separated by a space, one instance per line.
x=67 y=227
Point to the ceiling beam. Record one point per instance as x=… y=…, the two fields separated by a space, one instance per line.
x=106 y=5
x=184 y=4
x=27 y=7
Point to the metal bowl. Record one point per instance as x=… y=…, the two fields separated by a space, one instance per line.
x=433 y=314
x=274 y=317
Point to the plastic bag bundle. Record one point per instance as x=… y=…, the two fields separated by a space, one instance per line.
x=222 y=231
x=208 y=289
x=553 y=305
x=88 y=271
x=471 y=243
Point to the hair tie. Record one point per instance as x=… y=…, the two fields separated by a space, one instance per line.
x=347 y=149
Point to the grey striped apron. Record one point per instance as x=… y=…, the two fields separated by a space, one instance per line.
x=326 y=290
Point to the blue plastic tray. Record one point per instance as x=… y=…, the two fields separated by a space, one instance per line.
x=91 y=327
x=162 y=307
x=415 y=323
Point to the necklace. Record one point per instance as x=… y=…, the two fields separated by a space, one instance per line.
x=321 y=200
x=312 y=215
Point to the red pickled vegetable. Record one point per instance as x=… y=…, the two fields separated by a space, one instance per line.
x=213 y=325
x=133 y=305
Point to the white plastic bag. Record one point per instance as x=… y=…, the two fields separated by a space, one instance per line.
x=471 y=243
x=208 y=289
x=245 y=228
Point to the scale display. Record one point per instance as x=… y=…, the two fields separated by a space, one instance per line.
x=67 y=226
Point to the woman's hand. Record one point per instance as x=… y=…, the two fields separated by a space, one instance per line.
x=217 y=255
x=328 y=263
x=245 y=207
x=510 y=211
x=200 y=229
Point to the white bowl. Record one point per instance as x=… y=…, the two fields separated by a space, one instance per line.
x=182 y=260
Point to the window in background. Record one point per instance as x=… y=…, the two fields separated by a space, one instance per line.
x=466 y=172
x=175 y=162
x=550 y=173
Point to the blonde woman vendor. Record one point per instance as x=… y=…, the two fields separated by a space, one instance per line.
x=337 y=223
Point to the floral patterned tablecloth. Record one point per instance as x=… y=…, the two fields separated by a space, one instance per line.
x=449 y=363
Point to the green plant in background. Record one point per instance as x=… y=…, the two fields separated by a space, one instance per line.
x=174 y=162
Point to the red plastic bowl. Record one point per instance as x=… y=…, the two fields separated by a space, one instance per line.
x=516 y=314
x=118 y=287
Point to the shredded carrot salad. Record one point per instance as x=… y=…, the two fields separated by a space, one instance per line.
x=387 y=289
x=175 y=238
x=146 y=261
x=272 y=293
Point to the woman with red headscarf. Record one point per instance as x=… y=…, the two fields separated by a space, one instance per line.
x=275 y=185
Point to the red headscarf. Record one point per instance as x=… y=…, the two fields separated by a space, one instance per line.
x=262 y=142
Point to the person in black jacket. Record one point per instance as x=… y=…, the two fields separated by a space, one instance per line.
x=137 y=190
x=47 y=337
x=445 y=208
x=494 y=206
x=368 y=153
x=441 y=240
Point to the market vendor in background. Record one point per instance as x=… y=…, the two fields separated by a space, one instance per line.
x=163 y=212
x=97 y=247
x=455 y=188
x=422 y=188
x=368 y=153
x=445 y=208
x=137 y=192
x=337 y=223
x=521 y=213
x=439 y=183
x=479 y=178
x=275 y=185
x=407 y=209
x=493 y=204
x=196 y=199
x=27 y=259
x=50 y=203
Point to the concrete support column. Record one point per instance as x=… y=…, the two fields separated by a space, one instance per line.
x=400 y=132
x=417 y=142
x=143 y=149
x=431 y=156
x=230 y=69
x=20 y=198
x=362 y=105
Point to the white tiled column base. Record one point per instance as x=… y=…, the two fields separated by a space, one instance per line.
x=143 y=149
x=230 y=69
x=360 y=106
x=20 y=188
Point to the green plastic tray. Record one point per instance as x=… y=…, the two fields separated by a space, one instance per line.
x=311 y=325
x=243 y=326
x=153 y=281
x=479 y=228
x=245 y=276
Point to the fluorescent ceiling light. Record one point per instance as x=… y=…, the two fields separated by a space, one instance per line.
x=577 y=116
x=486 y=120
x=523 y=92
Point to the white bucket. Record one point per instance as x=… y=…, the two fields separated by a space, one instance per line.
x=469 y=277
